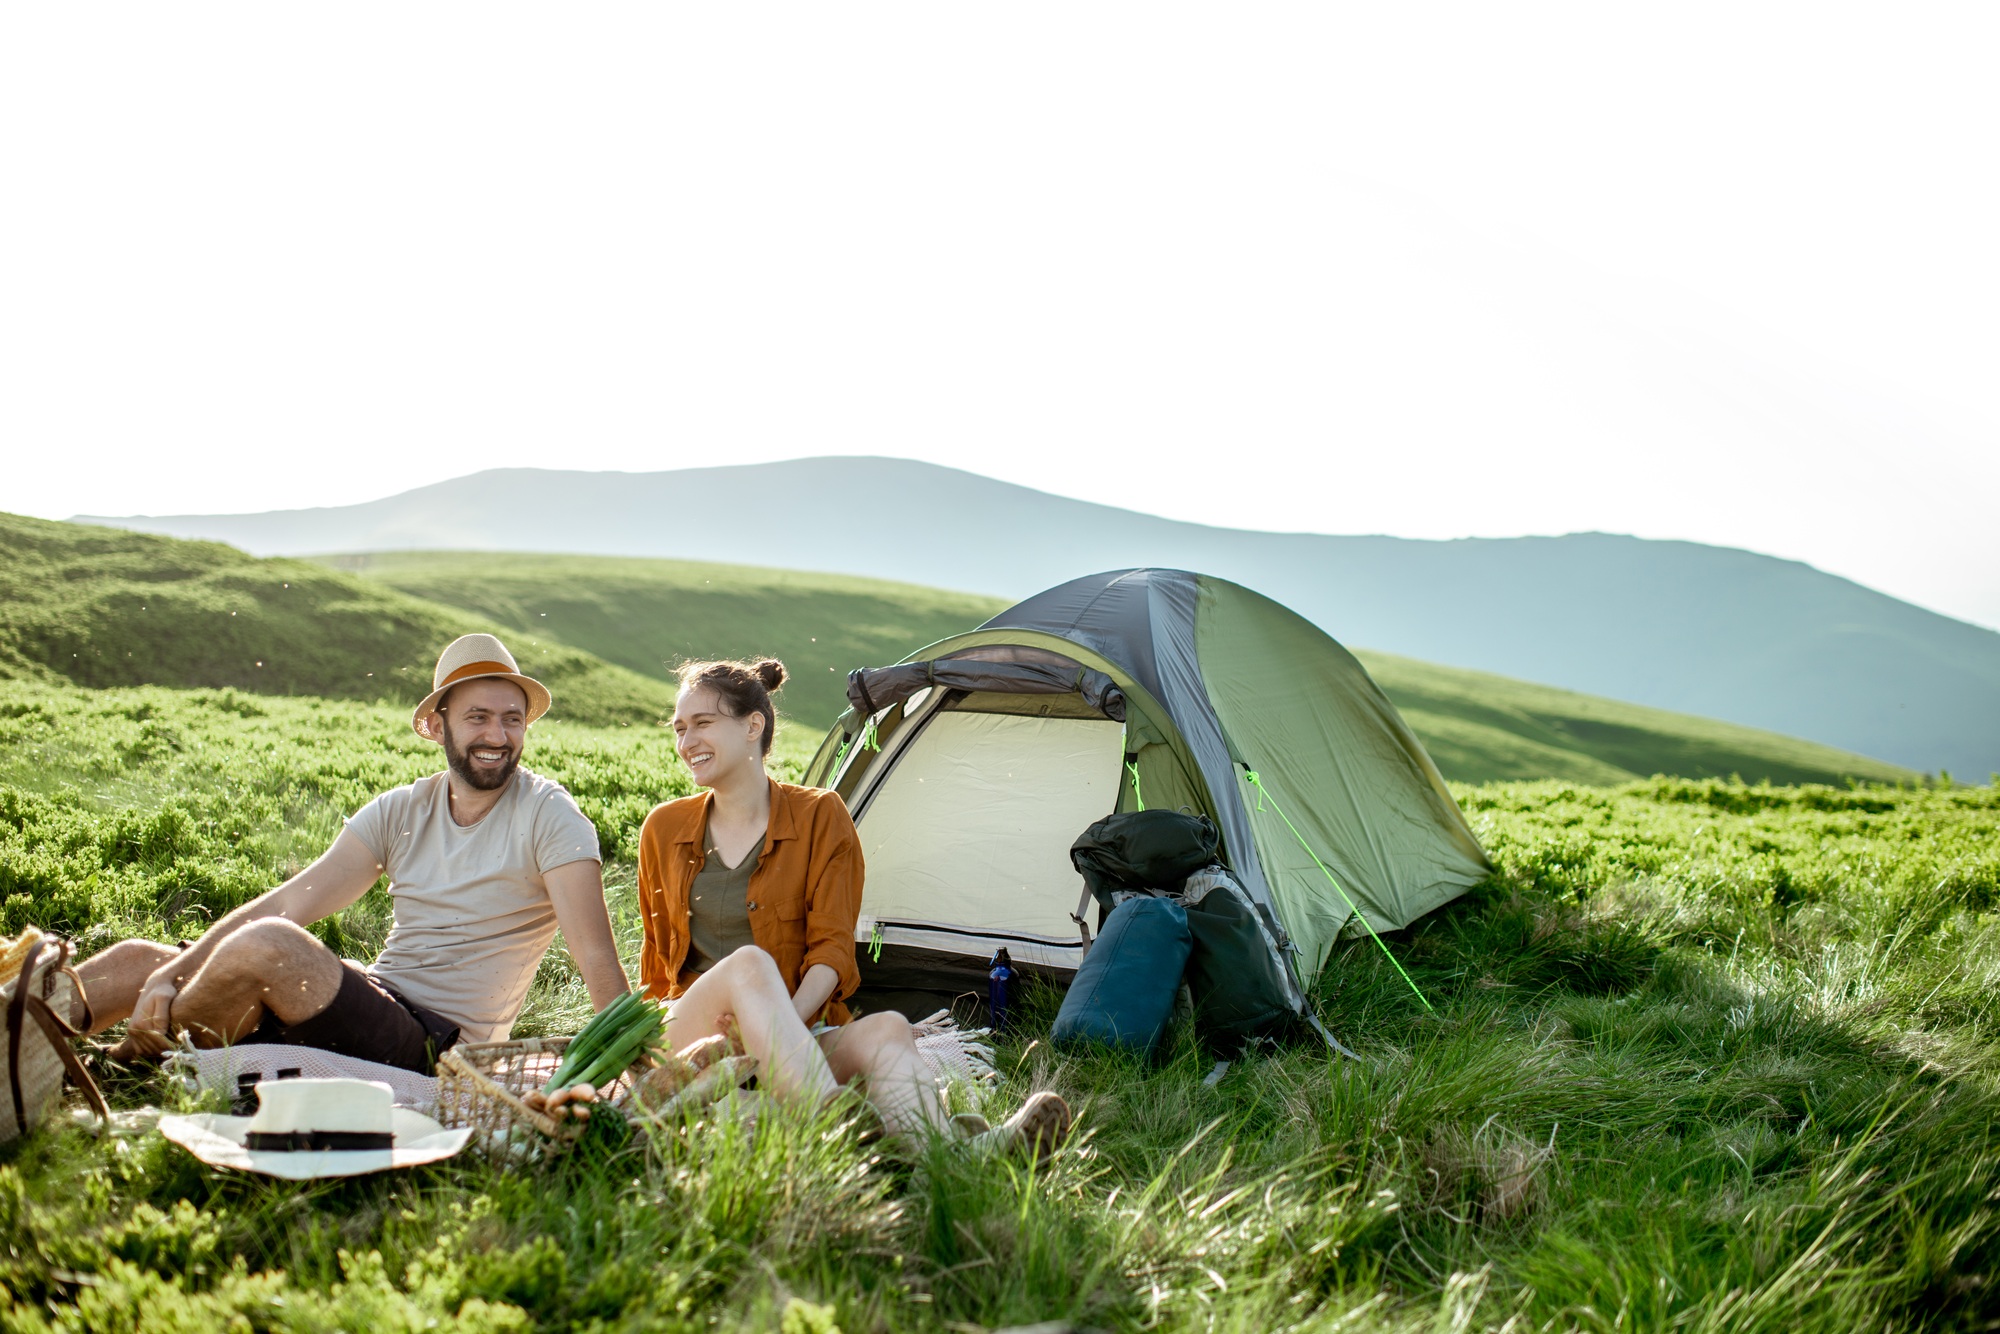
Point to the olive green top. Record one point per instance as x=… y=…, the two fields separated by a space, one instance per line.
x=719 y=907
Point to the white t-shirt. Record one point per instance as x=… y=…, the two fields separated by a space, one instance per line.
x=472 y=912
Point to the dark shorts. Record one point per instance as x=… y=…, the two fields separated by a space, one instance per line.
x=369 y=1020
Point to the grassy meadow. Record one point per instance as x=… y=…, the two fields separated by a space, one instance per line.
x=1704 y=1056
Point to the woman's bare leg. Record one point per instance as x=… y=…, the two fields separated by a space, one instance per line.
x=746 y=986
x=882 y=1050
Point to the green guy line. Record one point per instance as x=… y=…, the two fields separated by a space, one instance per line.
x=1263 y=792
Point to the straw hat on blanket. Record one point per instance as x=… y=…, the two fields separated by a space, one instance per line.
x=305 y=1129
x=471 y=658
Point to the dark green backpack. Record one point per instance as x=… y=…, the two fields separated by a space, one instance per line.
x=1238 y=972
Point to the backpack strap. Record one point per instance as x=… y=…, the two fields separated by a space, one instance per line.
x=1082 y=926
x=1331 y=1041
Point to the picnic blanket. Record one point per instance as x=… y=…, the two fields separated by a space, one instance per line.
x=221 y=1069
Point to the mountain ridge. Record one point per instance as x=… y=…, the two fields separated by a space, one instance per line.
x=1711 y=631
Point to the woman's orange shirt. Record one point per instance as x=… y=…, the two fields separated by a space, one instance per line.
x=804 y=896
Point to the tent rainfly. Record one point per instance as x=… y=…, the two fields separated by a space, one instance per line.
x=972 y=767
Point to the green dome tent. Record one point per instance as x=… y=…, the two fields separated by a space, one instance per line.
x=971 y=768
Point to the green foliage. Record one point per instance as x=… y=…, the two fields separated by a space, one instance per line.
x=1790 y=869
x=1706 y=1056
x=102 y=607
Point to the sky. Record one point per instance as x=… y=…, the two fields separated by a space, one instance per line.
x=1723 y=273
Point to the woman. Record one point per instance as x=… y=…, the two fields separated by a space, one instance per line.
x=749 y=892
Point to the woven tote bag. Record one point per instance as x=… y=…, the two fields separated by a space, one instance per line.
x=36 y=1053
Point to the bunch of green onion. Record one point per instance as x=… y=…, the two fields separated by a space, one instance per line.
x=616 y=1036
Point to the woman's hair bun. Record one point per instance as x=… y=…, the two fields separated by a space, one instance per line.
x=771 y=672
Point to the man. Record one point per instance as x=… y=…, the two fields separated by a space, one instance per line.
x=485 y=861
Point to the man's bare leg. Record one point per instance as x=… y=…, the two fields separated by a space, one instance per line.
x=746 y=985
x=882 y=1050
x=269 y=964
x=112 y=978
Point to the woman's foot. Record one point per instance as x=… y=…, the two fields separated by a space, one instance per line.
x=1037 y=1129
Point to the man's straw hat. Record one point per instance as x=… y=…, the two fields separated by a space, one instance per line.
x=310 y=1128
x=470 y=658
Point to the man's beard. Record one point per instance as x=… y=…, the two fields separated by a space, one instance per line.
x=483 y=780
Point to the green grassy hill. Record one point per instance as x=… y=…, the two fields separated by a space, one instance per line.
x=649 y=614
x=99 y=607
x=1482 y=728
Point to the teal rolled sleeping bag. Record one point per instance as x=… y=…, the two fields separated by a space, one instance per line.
x=1123 y=994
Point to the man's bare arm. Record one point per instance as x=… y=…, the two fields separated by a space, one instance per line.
x=338 y=878
x=577 y=891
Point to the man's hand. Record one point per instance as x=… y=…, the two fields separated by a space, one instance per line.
x=146 y=1034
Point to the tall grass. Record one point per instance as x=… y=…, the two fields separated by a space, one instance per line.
x=1705 y=1057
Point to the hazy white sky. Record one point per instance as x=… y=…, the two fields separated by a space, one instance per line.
x=1723 y=273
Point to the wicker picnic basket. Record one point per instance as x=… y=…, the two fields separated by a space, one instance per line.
x=39 y=991
x=481 y=1086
